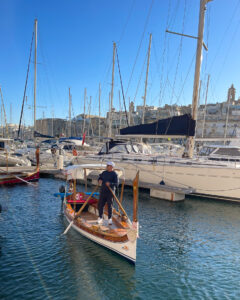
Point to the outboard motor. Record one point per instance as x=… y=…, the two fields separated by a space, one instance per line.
x=62 y=189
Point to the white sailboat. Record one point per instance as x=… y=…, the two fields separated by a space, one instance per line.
x=216 y=179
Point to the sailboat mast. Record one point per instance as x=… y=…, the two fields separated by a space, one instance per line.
x=129 y=112
x=146 y=81
x=99 y=111
x=120 y=113
x=35 y=73
x=84 y=117
x=111 y=102
x=70 y=117
x=197 y=70
x=52 y=119
x=4 y=113
x=205 y=108
x=227 y=116
x=2 y=120
x=89 y=115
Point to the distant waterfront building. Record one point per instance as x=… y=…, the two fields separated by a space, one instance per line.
x=214 y=115
x=231 y=94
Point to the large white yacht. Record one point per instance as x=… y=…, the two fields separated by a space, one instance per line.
x=209 y=177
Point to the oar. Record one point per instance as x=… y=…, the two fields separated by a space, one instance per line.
x=19 y=178
x=81 y=209
x=118 y=202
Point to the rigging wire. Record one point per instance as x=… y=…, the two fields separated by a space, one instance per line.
x=4 y=113
x=126 y=23
x=139 y=47
x=227 y=55
x=179 y=54
x=25 y=88
x=45 y=67
x=118 y=43
x=140 y=78
x=124 y=102
x=221 y=43
x=164 y=56
x=172 y=21
x=189 y=69
x=110 y=59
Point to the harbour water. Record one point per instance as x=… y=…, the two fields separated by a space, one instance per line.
x=187 y=250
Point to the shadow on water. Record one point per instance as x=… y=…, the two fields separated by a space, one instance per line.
x=186 y=250
x=100 y=270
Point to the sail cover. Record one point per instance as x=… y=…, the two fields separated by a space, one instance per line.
x=177 y=125
x=38 y=134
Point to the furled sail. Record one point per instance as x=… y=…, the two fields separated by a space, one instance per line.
x=177 y=125
x=38 y=134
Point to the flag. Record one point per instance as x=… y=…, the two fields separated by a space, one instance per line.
x=83 y=139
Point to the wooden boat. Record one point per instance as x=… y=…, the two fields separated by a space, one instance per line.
x=10 y=178
x=81 y=212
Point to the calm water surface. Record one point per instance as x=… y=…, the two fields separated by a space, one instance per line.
x=188 y=250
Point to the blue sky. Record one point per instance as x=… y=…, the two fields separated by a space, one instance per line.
x=75 y=40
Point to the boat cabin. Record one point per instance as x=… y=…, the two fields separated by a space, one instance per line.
x=221 y=153
x=5 y=143
x=124 y=147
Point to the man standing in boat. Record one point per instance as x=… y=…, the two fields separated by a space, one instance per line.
x=107 y=179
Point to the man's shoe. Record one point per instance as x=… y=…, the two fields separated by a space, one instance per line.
x=100 y=221
x=110 y=221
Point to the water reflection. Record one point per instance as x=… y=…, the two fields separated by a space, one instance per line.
x=99 y=269
x=187 y=250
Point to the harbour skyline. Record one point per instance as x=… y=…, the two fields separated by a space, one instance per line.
x=75 y=42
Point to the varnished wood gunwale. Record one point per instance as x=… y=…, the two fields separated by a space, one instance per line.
x=104 y=235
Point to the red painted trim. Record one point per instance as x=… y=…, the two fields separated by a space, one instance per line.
x=13 y=180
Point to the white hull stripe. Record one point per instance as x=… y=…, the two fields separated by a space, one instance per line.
x=98 y=241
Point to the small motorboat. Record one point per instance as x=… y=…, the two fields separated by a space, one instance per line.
x=10 y=178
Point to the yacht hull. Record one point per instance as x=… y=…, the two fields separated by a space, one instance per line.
x=222 y=182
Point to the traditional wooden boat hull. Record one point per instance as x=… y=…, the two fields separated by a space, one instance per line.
x=17 y=178
x=81 y=212
x=125 y=244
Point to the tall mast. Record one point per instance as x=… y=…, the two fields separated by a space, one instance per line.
x=70 y=117
x=197 y=70
x=52 y=119
x=227 y=115
x=129 y=112
x=4 y=113
x=10 y=112
x=111 y=102
x=205 y=108
x=2 y=119
x=99 y=111
x=120 y=108
x=146 y=81
x=35 y=74
x=85 y=96
x=89 y=113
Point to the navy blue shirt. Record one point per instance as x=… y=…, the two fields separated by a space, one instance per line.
x=111 y=177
